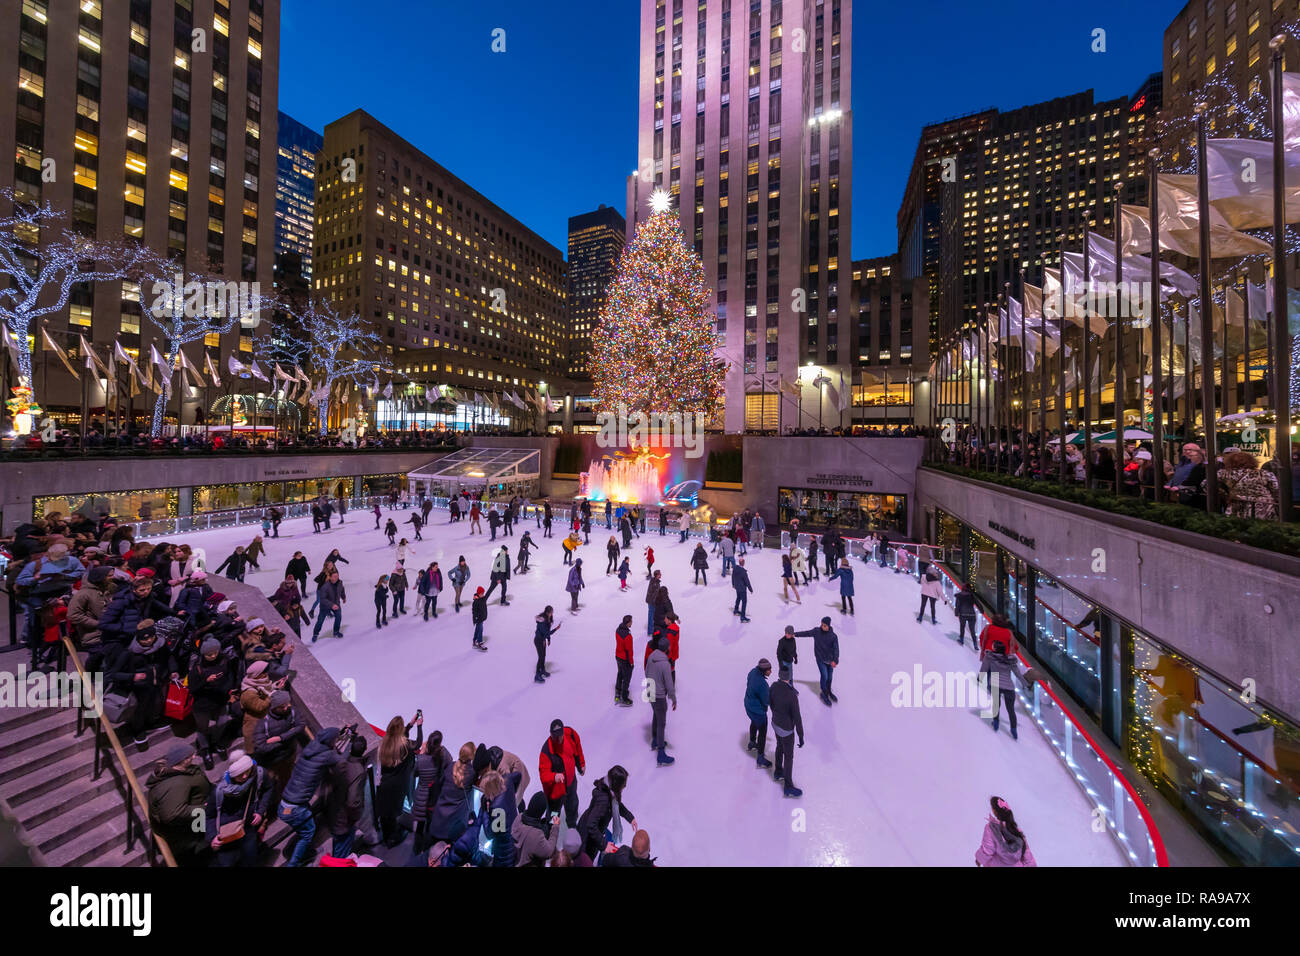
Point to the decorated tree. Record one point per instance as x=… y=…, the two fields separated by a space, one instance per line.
x=654 y=348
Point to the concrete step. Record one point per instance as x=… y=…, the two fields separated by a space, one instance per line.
x=52 y=722
x=94 y=847
x=81 y=817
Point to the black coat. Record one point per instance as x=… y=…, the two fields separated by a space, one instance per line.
x=784 y=701
x=596 y=819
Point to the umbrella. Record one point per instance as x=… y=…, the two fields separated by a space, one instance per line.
x=1130 y=434
x=1074 y=438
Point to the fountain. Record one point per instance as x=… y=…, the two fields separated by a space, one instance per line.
x=631 y=480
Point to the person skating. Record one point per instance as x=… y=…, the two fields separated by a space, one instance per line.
x=787 y=650
x=478 y=617
x=559 y=764
x=500 y=574
x=826 y=651
x=651 y=593
x=757 y=699
x=526 y=543
x=237 y=562
x=332 y=597
x=623 y=660
x=317 y=518
x=649 y=562
x=611 y=554
x=574 y=585
x=547 y=517
x=663 y=607
x=700 y=562
x=663 y=521
x=998 y=629
x=542 y=640
x=601 y=825
x=684 y=526
x=475 y=518
x=845 y=575
x=1000 y=671
x=276 y=516
x=417 y=523
x=429 y=586
x=812 y=557
x=783 y=699
x=508 y=520
x=740 y=583
x=298 y=569
x=659 y=680
x=459 y=577
x=399 y=585
x=381 y=601
x=930 y=591
x=624 y=570
x=569 y=545
x=609 y=510
x=799 y=562
x=964 y=604
x=625 y=529
x=390 y=531
x=1004 y=843
x=378 y=515
x=787 y=580
x=255 y=550
x=494 y=522
x=727 y=548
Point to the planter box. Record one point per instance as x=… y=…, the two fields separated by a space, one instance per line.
x=726 y=485
x=565 y=476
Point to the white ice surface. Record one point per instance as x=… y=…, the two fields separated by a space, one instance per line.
x=882 y=785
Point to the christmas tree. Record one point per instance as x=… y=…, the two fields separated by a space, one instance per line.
x=654 y=348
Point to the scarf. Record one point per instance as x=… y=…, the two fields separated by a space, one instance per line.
x=256 y=679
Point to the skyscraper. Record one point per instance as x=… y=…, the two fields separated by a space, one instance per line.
x=154 y=121
x=295 y=194
x=764 y=131
x=596 y=241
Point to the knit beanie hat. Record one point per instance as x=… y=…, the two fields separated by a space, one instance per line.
x=280 y=699
x=826 y=621
x=177 y=753
x=482 y=759
x=241 y=765
x=210 y=645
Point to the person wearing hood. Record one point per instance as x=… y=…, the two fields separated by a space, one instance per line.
x=526 y=543
x=212 y=686
x=638 y=854
x=500 y=574
x=623 y=661
x=238 y=810
x=87 y=606
x=659 y=671
x=140 y=669
x=478 y=612
x=787 y=721
x=533 y=835
x=560 y=762
x=177 y=794
x=128 y=607
x=277 y=736
x=193 y=596
x=757 y=700
x=541 y=640
x=574 y=585
x=601 y=824
x=315 y=761
x=826 y=651
x=1004 y=843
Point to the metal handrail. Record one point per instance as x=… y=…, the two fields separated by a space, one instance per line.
x=104 y=731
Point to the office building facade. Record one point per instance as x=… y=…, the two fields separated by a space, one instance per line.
x=596 y=241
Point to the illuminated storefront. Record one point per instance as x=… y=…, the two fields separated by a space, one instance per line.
x=858 y=512
x=140 y=505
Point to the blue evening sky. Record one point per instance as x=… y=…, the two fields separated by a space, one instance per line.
x=547 y=129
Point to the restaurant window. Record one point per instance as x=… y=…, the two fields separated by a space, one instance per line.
x=141 y=505
x=857 y=513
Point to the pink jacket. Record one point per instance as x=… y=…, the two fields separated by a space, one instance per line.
x=1000 y=847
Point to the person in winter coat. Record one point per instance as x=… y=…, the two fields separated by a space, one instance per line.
x=500 y=574
x=193 y=596
x=931 y=591
x=651 y=594
x=378 y=515
x=964 y=604
x=601 y=825
x=449 y=817
x=212 y=686
x=787 y=650
x=510 y=766
x=684 y=526
x=177 y=794
x=845 y=575
x=488 y=840
x=416 y=522
x=998 y=630
x=533 y=834
x=286 y=593
x=277 y=738
x=404 y=550
x=611 y=553
x=625 y=529
x=623 y=661
x=298 y=569
x=783 y=700
x=663 y=607
x=478 y=617
x=459 y=577
x=433 y=765
x=429 y=586
x=254 y=551
x=1000 y=671
x=574 y=585
x=799 y=562
x=558 y=765
x=740 y=583
x=241 y=798
x=638 y=854
x=826 y=650
x=659 y=671
x=757 y=531
x=1004 y=843
x=624 y=571
x=318 y=518
x=700 y=562
x=140 y=669
x=649 y=562
x=332 y=597
x=381 y=601
x=812 y=557
x=345 y=809
x=399 y=585
x=236 y=562
x=570 y=545
x=87 y=606
x=254 y=700
x=494 y=522
x=525 y=544
x=390 y=532
x=727 y=548
x=787 y=580
x=541 y=640
x=316 y=760
x=673 y=631
x=757 y=699
x=397 y=768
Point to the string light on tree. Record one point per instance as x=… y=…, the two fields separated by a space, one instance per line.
x=653 y=350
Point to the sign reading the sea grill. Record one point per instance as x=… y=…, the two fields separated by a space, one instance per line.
x=1013 y=535
x=838 y=481
x=283 y=472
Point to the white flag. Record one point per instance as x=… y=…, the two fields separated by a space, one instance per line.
x=388 y=389
x=237 y=367
x=257 y=372
x=1240 y=173
x=212 y=369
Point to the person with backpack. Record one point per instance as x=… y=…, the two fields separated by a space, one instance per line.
x=459 y=577
x=1004 y=843
x=541 y=640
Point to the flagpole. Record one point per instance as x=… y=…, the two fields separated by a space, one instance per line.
x=1087 y=368
x=1153 y=306
x=1281 y=328
x=1249 y=397
x=1207 y=316
x=1044 y=460
x=1223 y=361
x=1119 y=389
x=1024 y=377
x=986 y=393
x=1006 y=373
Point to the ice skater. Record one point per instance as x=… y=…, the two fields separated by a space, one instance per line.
x=700 y=562
x=684 y=526
x=659 y=681
x=625 y=529
x=999 y=670
x=651 y=593
x=964 y=604
x=417 y=523
x=757 y=698
x=542 y=640
x=574 y=585
x=611 y=552
x=783 y=700
x=399 y=585
x=403 y=550
x=845 y=575
x=727 y=547
x=787 y=650
x=624 y=570
x=526 y=543
x=475 y=519
x=740 y=583
x=500 y=574
x=494 y=522
x=390 y=531
x=787 y=580
x=547 y=516
x=649 y=562
x=478 y=617
x=799 y=562
x=378 y=515
x=623 y=661
x=570 y=545
x=459 y=577
x=381 y=601
x=826 y=651
x=1004 y=843
x=429 y=586
x=663 y=521
x=930 y=591
x=812 y=557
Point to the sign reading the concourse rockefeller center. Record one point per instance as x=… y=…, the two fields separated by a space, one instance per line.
x=830 y=480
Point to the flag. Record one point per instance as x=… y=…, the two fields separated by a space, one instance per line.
x=257 y=372
x=9 y=343
x=1256 y=298
x=1103 y=267
x=388 y=389
x=237 y=367
x=93 y=364
x=1181 y=234
x=163 y=368
x=1240 y=176
x=62 y=355
x=212 y=369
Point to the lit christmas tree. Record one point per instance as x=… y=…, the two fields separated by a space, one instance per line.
x=654 y=348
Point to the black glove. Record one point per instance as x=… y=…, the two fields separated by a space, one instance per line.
x=800 y=743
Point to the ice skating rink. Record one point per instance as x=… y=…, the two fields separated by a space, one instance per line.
x=883 y=785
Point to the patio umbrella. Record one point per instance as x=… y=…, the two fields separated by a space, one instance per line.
x=1130 y=434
